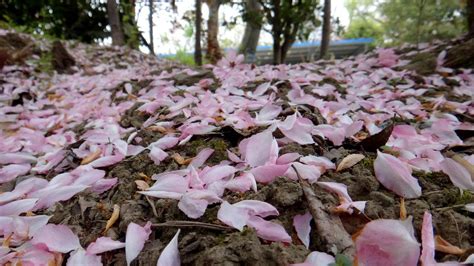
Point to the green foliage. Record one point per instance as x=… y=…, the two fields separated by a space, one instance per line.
x=84 y=20
x=341 y=260
x=365 y=28
x=400 y=21
x=421 y=20
x=183 y=57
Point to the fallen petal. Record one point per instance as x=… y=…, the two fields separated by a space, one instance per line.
x=170 y=255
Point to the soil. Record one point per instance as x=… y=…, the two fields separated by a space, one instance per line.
x=87 y=213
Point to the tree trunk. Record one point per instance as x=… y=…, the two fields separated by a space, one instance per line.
x=197 y=44
x=213 y=49
x=114 y=22
x=249 y=43
x=150 y=22
x=277 y=31
x=326 y=35
x=470 y=17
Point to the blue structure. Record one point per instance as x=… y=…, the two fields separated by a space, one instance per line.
x=307 y=51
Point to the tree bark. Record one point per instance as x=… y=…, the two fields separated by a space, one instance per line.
x=213 y=49
x=249 y=43
x=326 y=35
x=197 y=44
x=150 y=22
x=277 y=31
x=470 y=17
x=114 y=22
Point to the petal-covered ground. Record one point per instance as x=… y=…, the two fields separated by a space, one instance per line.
x=132 y=160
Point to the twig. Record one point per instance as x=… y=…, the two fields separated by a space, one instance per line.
x=193 y=224
x=329 y=226
x=152 y=204
x=450 y=207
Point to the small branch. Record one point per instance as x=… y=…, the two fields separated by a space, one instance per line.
x=450 y=207
x=329 y=227
x=194 y=224
x=152 y=204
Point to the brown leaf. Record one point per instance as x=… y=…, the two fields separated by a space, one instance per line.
x=113 y=218
x=180 y=159
x=444 y=246
x=142 y=185
x=349 y=161
x=372 y=143
x=91 y=157
x=403 y=209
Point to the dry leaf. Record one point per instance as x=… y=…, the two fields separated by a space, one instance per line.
x=113 y=218
x=180 y=159
x=349 y=161
x=142 y=185
x=6 y=241
x=444 y=246
x=372 y=143
x=403 y=209
x=91 y=157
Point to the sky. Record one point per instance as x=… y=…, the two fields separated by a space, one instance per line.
x=170 y=38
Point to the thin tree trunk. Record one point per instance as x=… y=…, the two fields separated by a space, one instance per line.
x=197 y=44
x=213 y=49
x=249 y=43
x=277 y=31
x=114 y=22
x=470 y=17
x=150 y=22
x=326 y=35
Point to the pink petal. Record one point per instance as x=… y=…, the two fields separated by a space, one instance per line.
x=317 y=258
x=88 y=177
x=217 y=172
x=12 y=171
x=135 y=239
x=24 y=187
x=388 y=242
x=201 y=157
x=256 y=207
x=166 y=142
x=170 y=183
x=268 y=230
x=81 y=257
x=104 y=244
x=396 y=176
x=427 y=241
x=303 y=227
x=17 y=158
x=298 y=129
x=57 y=238
x=233 y=216
x=103 y=185
x=288 y=158
x=308 y=172
x=241 y=183
x=258 y=148
x=157 y=155
x=353 y=128
x=106 y=161
x=170 y=255
x=338 y=188
x=320 y=161
x=459 y=175
x=17 y=207
x=268 y=173
x=234 y=158
x=50 y=195
x=194 y=203
x=34 y=256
